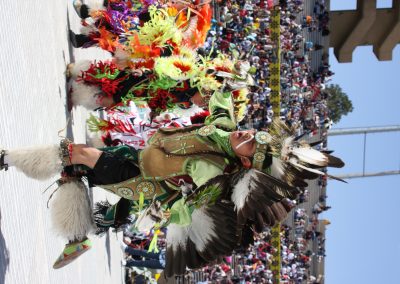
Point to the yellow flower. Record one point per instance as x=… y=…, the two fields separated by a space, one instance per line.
x=176 y=67
x=160 y=29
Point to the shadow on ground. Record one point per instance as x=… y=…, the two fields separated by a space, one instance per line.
x=4 y=256
x=68 y=59
x=108 y=250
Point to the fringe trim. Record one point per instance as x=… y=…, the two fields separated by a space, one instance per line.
x=120 y=218
x=99 y=212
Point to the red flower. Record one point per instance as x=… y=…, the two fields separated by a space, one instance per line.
x=103 y=74
x=236 y=94
x=222 y=68
x=184 y=68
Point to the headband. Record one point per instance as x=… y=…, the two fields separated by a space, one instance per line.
x=262 y=139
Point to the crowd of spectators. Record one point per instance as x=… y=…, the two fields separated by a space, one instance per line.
x=322 y=15
x=242 y=30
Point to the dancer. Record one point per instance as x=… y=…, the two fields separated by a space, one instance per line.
x=103 y=25
x=232 y=182
x=155 y=62
x=178 y=81
x=118 y=24
x=103 y=84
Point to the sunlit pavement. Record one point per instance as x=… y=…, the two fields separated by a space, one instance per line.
x=34 y=51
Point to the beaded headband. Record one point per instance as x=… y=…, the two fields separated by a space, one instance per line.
x=262 y=139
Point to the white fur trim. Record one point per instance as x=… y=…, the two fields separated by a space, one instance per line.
x=202 y=229
x=242 y=190
x=77 y=68
x=70 y=211
x=84 y=95
x=95 y=5
x=38 y=162
x=87 y=30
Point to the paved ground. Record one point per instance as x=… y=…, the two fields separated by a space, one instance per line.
x=34 y=50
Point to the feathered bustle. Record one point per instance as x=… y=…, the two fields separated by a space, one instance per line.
x=241 y=190
x=277 y=168
x=310 y=156
x=292 y=158
x=334 y=161
x=211 y=234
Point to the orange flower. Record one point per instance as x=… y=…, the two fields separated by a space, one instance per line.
x=107 y=40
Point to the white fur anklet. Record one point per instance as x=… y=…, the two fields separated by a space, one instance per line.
x=85 y=95
x=38 y=162
x=70 y=211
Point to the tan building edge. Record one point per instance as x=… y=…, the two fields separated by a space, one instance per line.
x=366 y=25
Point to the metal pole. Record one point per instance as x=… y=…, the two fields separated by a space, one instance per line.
x=361 y=130
x=376 y=174
x=365 y=148
x=365 y=131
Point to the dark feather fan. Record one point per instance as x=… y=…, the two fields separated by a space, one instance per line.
x=227 y=208
x=211 y=234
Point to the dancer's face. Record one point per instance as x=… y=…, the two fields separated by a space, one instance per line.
x=244 y=145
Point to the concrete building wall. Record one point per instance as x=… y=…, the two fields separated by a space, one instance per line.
x=366 y=25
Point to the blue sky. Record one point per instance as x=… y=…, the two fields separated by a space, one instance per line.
x=363 y=240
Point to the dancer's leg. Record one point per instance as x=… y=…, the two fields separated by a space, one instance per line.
x=84 y=155
x=70 y=208
x=38 y=162
x=80 y=40
x=108 y=166
x=114 y=165
x=81 y=9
